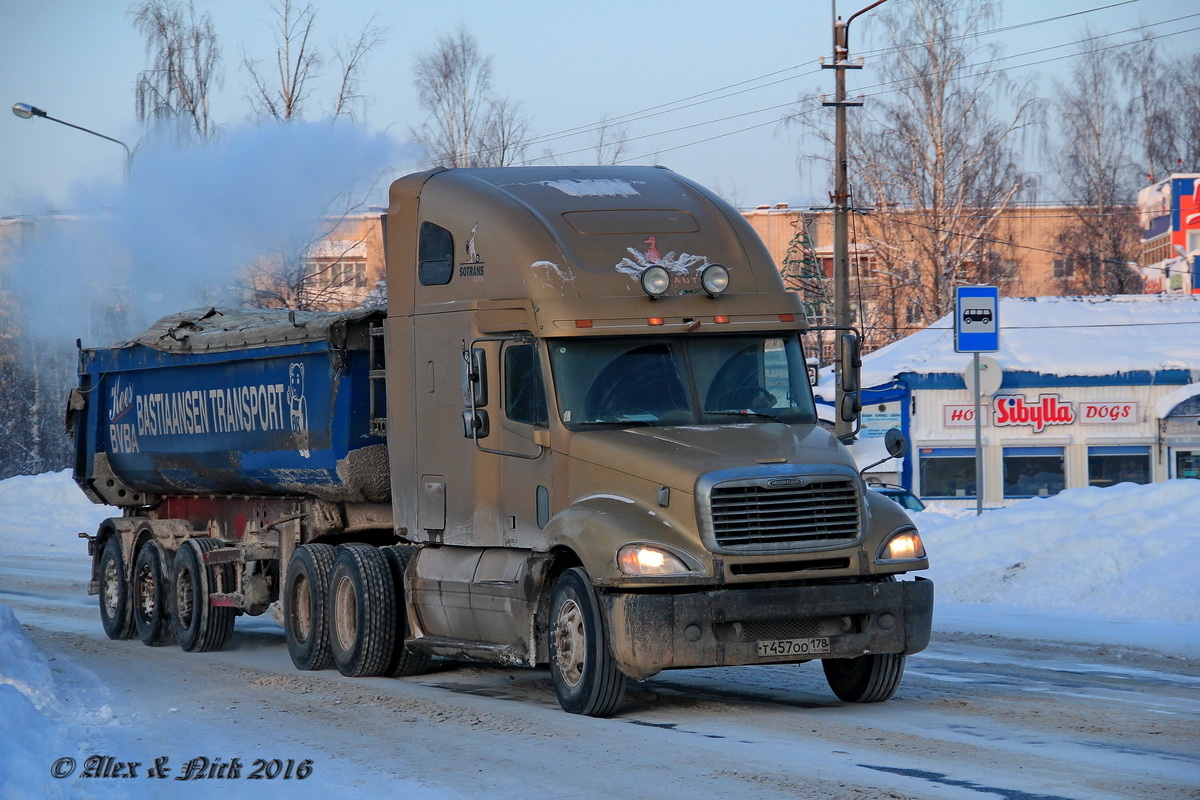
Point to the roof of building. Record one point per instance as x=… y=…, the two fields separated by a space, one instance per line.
x=1063 y=336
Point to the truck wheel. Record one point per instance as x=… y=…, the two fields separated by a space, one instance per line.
x=866 y=679
x=199 y=626
x=306 y=606
x=403 y=661
x=362 y=611
x=152 y=595
x=114 y=592
x=586 y=678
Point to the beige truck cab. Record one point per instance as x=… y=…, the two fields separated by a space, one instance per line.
x=603 y=442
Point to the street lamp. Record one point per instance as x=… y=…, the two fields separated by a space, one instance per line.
x=25 y=111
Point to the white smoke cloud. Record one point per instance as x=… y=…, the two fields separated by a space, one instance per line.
x=181 y=231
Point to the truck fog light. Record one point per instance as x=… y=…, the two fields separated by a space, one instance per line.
x=714 y=279
x=655 y=281
x=904 y=546
x=644 y=559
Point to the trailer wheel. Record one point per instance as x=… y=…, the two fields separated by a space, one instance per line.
x=199 y=626
x=403 y=661
x=586 y=679
x=114 y=591
x=152 y=595
x=306 y=606
x=867 y=679
x=362 y=611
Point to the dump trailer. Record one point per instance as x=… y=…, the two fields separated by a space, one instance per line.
x=582 y=435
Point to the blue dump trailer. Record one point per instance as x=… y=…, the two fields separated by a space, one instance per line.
x=581 y=436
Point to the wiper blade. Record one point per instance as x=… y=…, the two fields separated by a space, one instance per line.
x=744 y=413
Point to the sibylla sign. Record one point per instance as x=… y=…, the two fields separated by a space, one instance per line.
x=1049 y=409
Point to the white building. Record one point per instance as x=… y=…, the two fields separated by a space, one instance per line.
x=1094 y=391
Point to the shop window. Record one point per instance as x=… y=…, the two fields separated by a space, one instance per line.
x=435 y=255
x=1033 y=471
x=1187 y=463
x=947 y=472
x=1108 y=466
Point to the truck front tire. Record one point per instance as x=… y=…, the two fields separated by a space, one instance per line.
x=362 y=611
x=114 y=592
x=403 y=662
x=306 y=606
x=866 y=679
x=152 y=595
x=200 y=626
x=586 y=679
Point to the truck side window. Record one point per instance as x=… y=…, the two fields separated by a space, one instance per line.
x=435 y=255
x=524 y=391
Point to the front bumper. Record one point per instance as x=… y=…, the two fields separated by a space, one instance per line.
x=650 y=632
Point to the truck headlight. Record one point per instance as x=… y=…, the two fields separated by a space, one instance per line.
x=904 y=545
x=645 y=559
x=715 y=279
x=655 y=281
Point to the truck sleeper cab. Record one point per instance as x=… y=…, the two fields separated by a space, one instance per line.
x=602 y=455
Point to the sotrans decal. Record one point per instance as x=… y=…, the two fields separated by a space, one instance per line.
x=249 y=409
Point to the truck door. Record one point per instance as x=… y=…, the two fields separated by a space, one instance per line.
x=524 y=429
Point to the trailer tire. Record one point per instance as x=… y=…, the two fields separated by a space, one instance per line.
x=871 y=678
x=586 y=679
x=403 y=662
x=306 y=606
x=199 y=626
x=362 y=611
x=115 y=596
x=151 y=594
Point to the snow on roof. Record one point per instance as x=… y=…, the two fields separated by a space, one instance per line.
x=1167 y=403
x=1083 y=336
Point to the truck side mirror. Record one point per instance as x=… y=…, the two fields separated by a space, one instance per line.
x=474 y=378
x=850 y=408
x=851 y=361
x=895 y=442
x=476 y=425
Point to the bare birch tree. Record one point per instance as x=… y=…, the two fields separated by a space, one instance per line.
x=935 y=157
x=611 y=141
x=466 y=125
x=281 y=91
x=185 y=63
x=1096 y=165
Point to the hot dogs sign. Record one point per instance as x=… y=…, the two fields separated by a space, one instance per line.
x=1014 y=410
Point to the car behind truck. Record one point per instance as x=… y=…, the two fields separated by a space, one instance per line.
x=582 y=435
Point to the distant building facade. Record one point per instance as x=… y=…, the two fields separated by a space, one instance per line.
x=1170 y=217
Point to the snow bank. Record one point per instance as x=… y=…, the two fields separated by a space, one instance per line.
x=61 y=511
x=1125 y=551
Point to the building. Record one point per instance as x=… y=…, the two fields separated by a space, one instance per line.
x=1170 y=217
x=1094 y=391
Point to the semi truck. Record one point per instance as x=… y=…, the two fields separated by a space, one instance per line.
x=581 y=435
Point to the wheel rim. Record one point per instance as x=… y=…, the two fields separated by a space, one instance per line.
x=345 y=623
x=569 y=643
x=112 y=592
x=146 y=592
x=183 y=597
x=301 y=611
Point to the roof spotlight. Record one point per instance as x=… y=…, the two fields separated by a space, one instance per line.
x=714 y=279
x=655 y=281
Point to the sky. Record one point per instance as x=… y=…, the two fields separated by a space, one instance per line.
x=569 y=64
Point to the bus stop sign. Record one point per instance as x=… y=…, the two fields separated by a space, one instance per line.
x=976 y=321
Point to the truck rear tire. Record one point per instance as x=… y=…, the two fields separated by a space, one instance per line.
x=867 y=679
x=115 y=613
x=586 y=679
x=403 y=661
x=362 y=611
x=152 y=595
x=200 y=626
x=306 y=606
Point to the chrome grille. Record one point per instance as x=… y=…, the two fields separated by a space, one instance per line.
x=756 y=517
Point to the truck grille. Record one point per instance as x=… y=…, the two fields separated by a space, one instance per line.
x=754 y=517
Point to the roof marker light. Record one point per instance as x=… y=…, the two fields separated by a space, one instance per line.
x=583 y=323
x=721 y=319
x=655 y=320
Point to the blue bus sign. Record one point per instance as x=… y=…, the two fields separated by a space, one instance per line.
x=976 y=319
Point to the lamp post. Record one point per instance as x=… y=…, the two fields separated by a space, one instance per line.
x=25 y=111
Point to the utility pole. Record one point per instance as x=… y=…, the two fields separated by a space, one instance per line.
x=842 y=318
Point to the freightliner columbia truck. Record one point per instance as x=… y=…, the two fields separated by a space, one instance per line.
x=582 y=435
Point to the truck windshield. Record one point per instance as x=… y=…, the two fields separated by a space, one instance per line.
x=680 y=380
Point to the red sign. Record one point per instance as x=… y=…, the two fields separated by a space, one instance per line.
x=962 y=416
x=1114 y=413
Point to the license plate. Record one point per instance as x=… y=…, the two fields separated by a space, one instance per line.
x=776 y=648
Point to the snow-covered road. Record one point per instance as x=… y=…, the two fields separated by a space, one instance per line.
x=978 y=715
